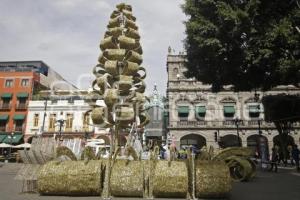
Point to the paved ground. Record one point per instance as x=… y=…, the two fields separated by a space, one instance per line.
x=284 y=185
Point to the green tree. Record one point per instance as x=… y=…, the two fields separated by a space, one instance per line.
x=246 y=43
x=283 y=110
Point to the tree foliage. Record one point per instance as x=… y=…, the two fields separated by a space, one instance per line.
x=283 y=111
x=281 y=108
x=246 y=43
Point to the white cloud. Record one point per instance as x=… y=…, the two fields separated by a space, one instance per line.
x=66 y=33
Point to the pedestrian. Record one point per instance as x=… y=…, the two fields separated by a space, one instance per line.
x=162 y=151
x=295 y=155
x=5 y=154
x=274 y=159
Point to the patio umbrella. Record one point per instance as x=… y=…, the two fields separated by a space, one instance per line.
x=25 y=145
x=4 y=145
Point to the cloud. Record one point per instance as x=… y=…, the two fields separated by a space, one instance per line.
x=66 y=34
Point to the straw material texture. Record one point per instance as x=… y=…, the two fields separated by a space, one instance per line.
x=127 y=43
x=212 y=179
x=70 y=178
x=115 y=32
x=170 y=179
x=88 y=154
x=231 y=151
x=111 y=97
x=240 y=168
x=133 y=56
x=98 y=115
x=115 y=54
x=112 y=67
x=132 y=34
x=108 y=43
x=127 y=179
x=65 y=151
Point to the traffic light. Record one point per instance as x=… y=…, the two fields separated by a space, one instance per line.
x=216 y=136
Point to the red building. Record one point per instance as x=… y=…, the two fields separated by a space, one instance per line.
x=16 y=89
x=19 y=82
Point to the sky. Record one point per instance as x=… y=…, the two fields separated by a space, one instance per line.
x=66 y=34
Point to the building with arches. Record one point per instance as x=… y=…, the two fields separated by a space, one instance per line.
x=197 y=116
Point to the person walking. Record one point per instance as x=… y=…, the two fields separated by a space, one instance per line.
x=295 y=155
x=274 y=159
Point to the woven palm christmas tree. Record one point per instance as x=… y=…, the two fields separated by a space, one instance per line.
x=119 y=81
x=120 y=76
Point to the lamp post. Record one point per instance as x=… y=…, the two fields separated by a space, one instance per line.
x=237 y=122
x=256 y=99
x=61 y=123
x=45 y=114
x=11 y=139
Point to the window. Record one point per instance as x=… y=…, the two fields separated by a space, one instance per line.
x=9 y=82
x=254 y=111
x=229 y=111
x=3 y=125
x=25 y=82
x=52 y=122
x=69 y=121
x=86 y=119
x=183 y=112
x=175 y=72
x=200 y=112
x=19 y=125
x=5 y=103
x=36 y=120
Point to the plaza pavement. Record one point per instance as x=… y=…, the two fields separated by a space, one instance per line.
x=284 y=185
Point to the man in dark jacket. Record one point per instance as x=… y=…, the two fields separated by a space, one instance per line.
x=274 y=159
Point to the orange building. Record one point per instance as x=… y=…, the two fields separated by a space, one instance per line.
x=19 y=81
x=16 y=89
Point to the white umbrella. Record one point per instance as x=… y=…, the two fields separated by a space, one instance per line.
x=4 y=145
x=25 y=145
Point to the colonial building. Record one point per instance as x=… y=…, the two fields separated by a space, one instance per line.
x=156 y=129
x=62 y=113
x=197 y=116
x=19 y=81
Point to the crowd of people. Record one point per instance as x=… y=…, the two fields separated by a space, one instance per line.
x=277 y=157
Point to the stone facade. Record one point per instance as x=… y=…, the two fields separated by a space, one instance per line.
x=199 y=116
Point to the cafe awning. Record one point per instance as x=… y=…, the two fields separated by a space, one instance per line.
x=19 y=117
x=254 y=109
x=13 y=139
x=183 y=109
x=229 y=110
x=3 y=117
x=200 y=109
x=22 y=95
x=6 y=95
x=2 y=137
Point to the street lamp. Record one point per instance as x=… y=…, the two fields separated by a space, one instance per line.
x=237 y=122
x=11 y=140
x=256 y=99
x=61 y=123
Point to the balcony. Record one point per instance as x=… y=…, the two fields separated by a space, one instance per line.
x=5 y=107
x=190 y=124
x=230 y=123
x=21 y=106
x=252 y=124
